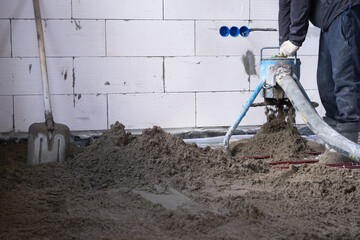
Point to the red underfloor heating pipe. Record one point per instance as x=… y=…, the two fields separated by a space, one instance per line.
x=349 y=165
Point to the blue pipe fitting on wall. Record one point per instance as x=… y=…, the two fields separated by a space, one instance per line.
x=234 y=31
x=224 y=31
x=244 y=31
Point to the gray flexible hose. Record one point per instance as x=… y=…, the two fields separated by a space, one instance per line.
x=331 y=137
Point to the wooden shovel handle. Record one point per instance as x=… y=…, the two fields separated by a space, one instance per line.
x=43 y=66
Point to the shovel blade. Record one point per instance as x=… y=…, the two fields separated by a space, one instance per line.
x=45 y=146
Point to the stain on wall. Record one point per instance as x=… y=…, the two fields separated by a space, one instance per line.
x=77 y=25
x=249 y=64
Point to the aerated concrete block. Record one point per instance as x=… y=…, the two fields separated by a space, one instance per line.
x=119 y=75
x=223 y=108
x=5 y=46
x=81 y=112
x=22 y=76
x=118 y=9
x=24 y=9
x=150 y=38
x=204 y=9
x=264 y=9
x=189 y=74
x=6 y=116
x=62 y=38
x=168 y=110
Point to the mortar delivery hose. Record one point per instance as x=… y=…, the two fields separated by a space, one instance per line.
x=326 y=133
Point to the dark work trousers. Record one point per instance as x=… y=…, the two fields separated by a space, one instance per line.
x=338 y=74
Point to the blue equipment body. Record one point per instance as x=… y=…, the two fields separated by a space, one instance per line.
x=268 y=70
x=271 y=90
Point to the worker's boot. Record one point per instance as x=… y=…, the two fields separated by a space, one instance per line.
x=331 y=122
x=330 y=156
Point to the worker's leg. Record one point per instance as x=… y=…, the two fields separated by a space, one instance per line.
x=343 y=40
x=326 y=84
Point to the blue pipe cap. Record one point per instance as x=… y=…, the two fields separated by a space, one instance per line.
x=234 y=31
x=244 y=31
x=224 y=31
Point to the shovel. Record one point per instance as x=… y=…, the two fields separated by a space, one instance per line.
x=49 y=141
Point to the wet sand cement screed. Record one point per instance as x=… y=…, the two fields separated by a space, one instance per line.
x=155 y=186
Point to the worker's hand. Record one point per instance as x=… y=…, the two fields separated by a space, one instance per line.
x=288 y=49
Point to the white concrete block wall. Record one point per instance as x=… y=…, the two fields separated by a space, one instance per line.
x=210 y=43
x=140 y=62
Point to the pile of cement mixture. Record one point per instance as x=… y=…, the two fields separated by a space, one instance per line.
x=276 y=138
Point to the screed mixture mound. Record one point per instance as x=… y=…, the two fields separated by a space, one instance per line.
x=277 y=138
x=119 y=157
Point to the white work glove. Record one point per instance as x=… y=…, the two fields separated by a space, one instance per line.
x=288 y=49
